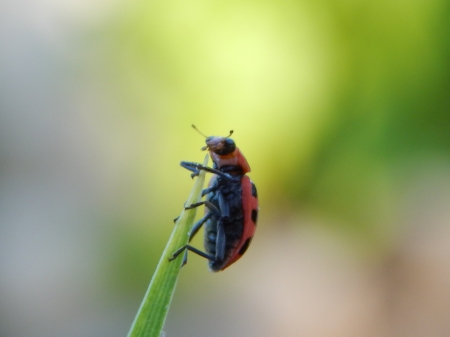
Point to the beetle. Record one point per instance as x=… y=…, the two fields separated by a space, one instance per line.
x=231 y=203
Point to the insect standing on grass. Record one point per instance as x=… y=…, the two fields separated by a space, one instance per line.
x=231 y=205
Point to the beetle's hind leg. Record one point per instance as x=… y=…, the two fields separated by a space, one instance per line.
x=192 y=233
x=192 y=249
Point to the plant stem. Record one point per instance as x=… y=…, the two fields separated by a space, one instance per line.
x=152 y=313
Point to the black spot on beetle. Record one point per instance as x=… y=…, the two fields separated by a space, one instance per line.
x=245 y=246
x=254 y=192
x=254 y=215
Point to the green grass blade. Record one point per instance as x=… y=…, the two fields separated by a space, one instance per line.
x=151 y=315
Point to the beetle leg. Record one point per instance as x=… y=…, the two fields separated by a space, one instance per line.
x=220 y=242
x=199 y=224
x=196 y=167
x=208 y=204
x=209 y=190
x=223 y=205
x=192 y=249
x=184 y=259
x=221 y=237
x=191 y=167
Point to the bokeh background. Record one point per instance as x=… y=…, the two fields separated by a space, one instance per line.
x=342 y=109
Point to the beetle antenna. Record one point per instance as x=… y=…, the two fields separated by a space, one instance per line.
x=231 y=132
x=195 y=128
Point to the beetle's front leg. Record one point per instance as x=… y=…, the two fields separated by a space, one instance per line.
x=191 y=167
x=196 y=167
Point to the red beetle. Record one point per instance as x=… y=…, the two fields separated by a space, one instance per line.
x=231 y=205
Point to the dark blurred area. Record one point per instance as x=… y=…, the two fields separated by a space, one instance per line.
x=342 y=109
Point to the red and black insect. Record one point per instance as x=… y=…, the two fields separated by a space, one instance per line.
x=231 y=205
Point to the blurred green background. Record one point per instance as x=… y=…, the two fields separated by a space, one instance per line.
x=342 y=109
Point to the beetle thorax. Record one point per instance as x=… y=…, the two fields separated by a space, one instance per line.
x=230 y=159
